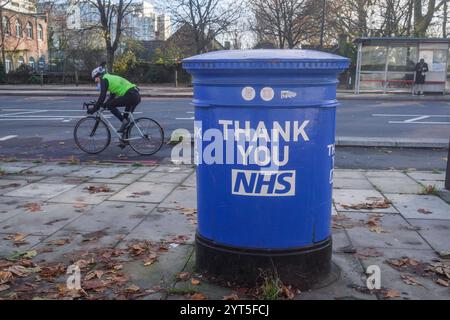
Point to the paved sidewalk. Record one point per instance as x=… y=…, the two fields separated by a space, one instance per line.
x=130 y=229
x=170 y=91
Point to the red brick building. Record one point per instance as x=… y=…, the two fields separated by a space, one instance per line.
x=24 y=35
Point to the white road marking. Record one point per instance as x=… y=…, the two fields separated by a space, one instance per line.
x=22 y=113
x=418 y=122
x=410 y=115
x=415 y=118
x=7 y=138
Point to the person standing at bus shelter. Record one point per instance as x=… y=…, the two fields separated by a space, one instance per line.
x=421 y=69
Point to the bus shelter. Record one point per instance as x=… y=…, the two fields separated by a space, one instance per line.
x=388 y=64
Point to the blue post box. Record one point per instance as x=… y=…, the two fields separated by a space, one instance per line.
x=264 y=146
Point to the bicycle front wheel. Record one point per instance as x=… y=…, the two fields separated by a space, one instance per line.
x=145 y=136
x=92 y=135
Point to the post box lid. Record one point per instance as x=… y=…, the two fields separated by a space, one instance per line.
x=267 y=59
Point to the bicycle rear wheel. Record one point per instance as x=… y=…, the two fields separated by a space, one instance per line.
x=92 y=135
x=145 y=136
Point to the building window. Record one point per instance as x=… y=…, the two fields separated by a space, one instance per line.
x=32 y=63
x=8 y=64
x=20 y=61
x=6 y=26
x=30 y=30
x=40 y=32
x=18 y=29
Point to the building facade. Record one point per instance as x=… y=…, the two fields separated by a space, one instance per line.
x=23 y=35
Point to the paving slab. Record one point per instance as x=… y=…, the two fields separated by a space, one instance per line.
x=340 y=240
x=142 y=170
x=81 y=193
x=435 y=183
x=420 y=206
x=45 y=221
x=161 y=273
x=396 y=185
x=26 y=177
x=427 y=175
x=173 y=169
x=345 y=183
x=16 y=167
x=40 y=190
x=395 y=233
x=125 y=178
x=163 y=224
x=384 y=174
x=8 y=185
x=391 y=278
x=435 y=232
x=63 y=180
x=99 y=172
x=351 y=276
x=8 y=248
x=76 y=244
x=348 y=174
x=112 y=216
x=191 y=181
x=156 y=176
x=211 y=291
x=350 y=197
x=53 y=169
x=9 y=207
x=144 y=192
x=184 y=197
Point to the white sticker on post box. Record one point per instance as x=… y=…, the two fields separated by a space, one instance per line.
x=263 y=183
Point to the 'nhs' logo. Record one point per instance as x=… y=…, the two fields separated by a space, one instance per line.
x=263 y=183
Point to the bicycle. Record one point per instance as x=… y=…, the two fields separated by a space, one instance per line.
x=92 y=134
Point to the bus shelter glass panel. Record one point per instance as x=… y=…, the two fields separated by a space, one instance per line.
x=372 y=81
x=373 y=58
x=448 y=71
x=401 y=65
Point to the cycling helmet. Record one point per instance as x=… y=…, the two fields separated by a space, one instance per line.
x=99 y=71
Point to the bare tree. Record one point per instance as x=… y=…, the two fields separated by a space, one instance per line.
x=288 y=22
x=423 y=20
x=111 y=22
x=207 y=18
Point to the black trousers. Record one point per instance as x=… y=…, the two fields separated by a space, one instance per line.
x=129 y=100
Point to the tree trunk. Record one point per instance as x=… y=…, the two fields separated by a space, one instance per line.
x=2 y=34
x=444 y=21
x=422 y=22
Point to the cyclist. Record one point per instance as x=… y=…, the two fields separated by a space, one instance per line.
x=122 y=94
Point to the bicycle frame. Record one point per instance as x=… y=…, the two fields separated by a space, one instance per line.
x=100 y=115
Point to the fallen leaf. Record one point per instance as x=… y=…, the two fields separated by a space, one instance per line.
x=150 y=260
x=4 y=287
x=59 y=242
x=288 y=292
x=184 y=276
x=391 y=293
x=94 y=274
x=32 y=207
x=29 y=254
x=132 y=289
x=231 y=297
x=368 y=253
x=197 y=296
x=98 y=189
x=195 y=282
x=95 y=285
x=377 y=203
x=5 y=276
x=409 y=280
x=424 y=211
x=442 y=282
x=402 y=262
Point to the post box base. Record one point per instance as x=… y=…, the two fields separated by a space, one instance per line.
x=304 y=268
